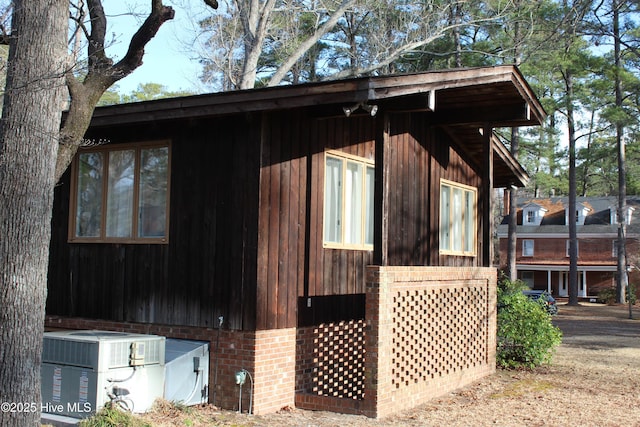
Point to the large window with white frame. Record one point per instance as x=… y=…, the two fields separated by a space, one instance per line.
x=348 y=201
x=120 y=193
x=458 y=218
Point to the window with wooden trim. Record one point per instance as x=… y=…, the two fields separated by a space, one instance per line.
x=458 y=218
x=527 y=247
x=348 y=201
x=120 y=193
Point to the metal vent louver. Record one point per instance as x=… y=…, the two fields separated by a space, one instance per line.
x=74 y=353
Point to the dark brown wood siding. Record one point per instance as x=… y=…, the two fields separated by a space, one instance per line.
x=419 y=156
x=206 y=270
x=292 y=262
x=246 y=222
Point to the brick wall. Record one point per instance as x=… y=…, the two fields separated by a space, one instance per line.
x=330 y=367
x=275 y=361
x=430 y=330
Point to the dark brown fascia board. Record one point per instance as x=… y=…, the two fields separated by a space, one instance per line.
x=364 y=89
x=394 y=86
x=518 y=176
x=521 y=176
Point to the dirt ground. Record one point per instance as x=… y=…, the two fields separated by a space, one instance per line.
x=594 y=380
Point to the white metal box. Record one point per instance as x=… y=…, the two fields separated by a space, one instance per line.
x=83 y=370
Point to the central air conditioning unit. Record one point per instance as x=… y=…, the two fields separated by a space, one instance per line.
x=84 y=370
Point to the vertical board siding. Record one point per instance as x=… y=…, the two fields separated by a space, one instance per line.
x=206 y=270
x=292 y=261
x=335 y=271
x=246 y=221
x=282 y=219
x=410 y=202
x=419 y=157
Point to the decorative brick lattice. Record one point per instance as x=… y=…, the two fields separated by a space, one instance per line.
x=339 y=352
x=438 y=331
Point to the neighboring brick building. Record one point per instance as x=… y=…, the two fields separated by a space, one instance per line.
x=542 y=254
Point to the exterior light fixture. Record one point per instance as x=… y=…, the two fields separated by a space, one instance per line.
x=349 y=110
x=241 y=378
x=371 y=109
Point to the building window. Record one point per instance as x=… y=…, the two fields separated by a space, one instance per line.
x=528 y=278
x=568 y=243
x=348 y=201
x=531 y=217
x=458 y=218
x=121 y=194
x=614 y=249
x=527 y=247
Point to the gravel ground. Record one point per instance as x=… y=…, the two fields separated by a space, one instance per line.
x=594 y=380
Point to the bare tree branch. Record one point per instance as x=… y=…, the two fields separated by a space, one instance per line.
x=101 y=74
x=282 y=71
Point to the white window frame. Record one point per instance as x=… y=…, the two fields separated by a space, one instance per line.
x=458 y=226
x=528 y=247
x=346 y=228
x=567 y=243
x=531 y=217
x=143 y=228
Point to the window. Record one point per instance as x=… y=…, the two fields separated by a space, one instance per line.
x=568 y=244
x=581 y=214
x=348 y=201
x=121 y=193
x=531 y=217
x=527 y=247
x=528 y=278
x=458 y=213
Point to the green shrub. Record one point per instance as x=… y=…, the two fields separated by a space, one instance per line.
x=607 y=296
x=631 y=293
x=526 y=338
x=112 y=417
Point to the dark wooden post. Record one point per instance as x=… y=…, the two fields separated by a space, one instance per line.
x=381 y=196
x=486 y=197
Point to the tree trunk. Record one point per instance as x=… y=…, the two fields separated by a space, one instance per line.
x=29 y=131
x=622 y=282
x=512 y=236
x=255 y=18
x=573 y=230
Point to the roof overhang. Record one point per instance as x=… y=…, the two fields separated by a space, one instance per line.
x=497 y=95
x=506 y=169
x=461 y=101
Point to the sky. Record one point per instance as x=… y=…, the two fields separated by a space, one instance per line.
x=167 y=59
